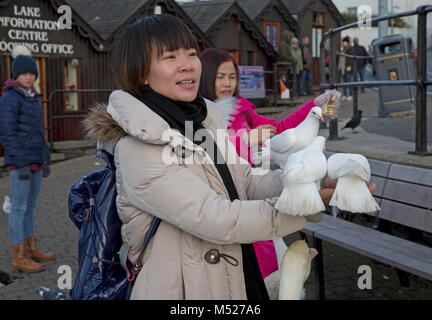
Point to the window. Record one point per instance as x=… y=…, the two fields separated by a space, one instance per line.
x=319 y=18
x=71 y=82
x=157 y=9
x=316 y=41
x=268 y=32
x=318 y=29
x=272 y=33
x=275 y=37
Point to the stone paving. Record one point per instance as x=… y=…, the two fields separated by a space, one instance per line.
x=53 y=227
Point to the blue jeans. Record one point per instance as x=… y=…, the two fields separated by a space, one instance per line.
x=347 y=77
x=24 y=195
x=361 y=76
x=305 y=76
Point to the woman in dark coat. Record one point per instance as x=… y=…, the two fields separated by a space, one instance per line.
x=26 y=158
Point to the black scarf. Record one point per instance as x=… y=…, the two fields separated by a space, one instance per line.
x=176 y=113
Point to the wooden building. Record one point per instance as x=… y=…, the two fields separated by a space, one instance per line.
x=109 y=17
x=78 y=57
x=271 y=17
x=230 y=28
x=314 y=18
x=70 y=55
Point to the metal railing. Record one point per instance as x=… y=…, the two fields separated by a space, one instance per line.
x=421 y=82
x=51 y=118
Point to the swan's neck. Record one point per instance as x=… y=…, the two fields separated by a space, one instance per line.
x=291 y=284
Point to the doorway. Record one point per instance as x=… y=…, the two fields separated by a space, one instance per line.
x=318 y=30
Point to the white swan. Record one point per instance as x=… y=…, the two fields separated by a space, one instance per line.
x=294 y=268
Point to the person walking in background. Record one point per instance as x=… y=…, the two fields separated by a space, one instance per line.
x=306 y=73
x=360 y=50
x=345 y=67
x=27 y=158
x=285 y=56
x=296 y=54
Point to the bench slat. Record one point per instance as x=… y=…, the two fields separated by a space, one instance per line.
x=386 y=240
x=411 y=174
x=367 y=248
x=407 y=215
x=408 y=193
x=380 y=183
x=379 y=168
x=403 y=254
x=312 y=227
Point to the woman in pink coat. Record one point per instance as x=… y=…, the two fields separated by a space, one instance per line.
x=219 y=79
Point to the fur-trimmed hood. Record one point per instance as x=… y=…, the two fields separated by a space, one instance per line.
x=126 y=115
x=99 y=126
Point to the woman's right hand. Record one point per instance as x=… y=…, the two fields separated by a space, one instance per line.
x=261 y=134
x=329 y=186
x=322 y=98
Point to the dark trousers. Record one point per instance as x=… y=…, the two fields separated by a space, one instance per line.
x=305 y=78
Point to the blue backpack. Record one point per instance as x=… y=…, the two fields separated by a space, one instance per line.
x=104 y=272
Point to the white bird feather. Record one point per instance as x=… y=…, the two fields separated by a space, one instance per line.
x=277 y=149
x=228 y=106
x=301 y=178
x=352 y=172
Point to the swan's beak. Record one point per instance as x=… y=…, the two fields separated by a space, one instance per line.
x=313 y=253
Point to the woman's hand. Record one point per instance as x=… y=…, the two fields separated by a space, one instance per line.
x=328 y=188
x=322 y=98
x=261 y=134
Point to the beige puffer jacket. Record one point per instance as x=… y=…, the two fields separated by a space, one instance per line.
x=190 y=199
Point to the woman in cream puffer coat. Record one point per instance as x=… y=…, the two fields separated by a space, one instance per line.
x=192 y=202
x=196 y=252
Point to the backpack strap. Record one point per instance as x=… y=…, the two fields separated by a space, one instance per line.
x=137 y=266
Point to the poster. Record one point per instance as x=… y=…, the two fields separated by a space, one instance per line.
x=251 y=82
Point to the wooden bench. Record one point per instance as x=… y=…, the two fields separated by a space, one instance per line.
x=404 y=194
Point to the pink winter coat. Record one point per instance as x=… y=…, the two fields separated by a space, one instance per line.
x=244 y=120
